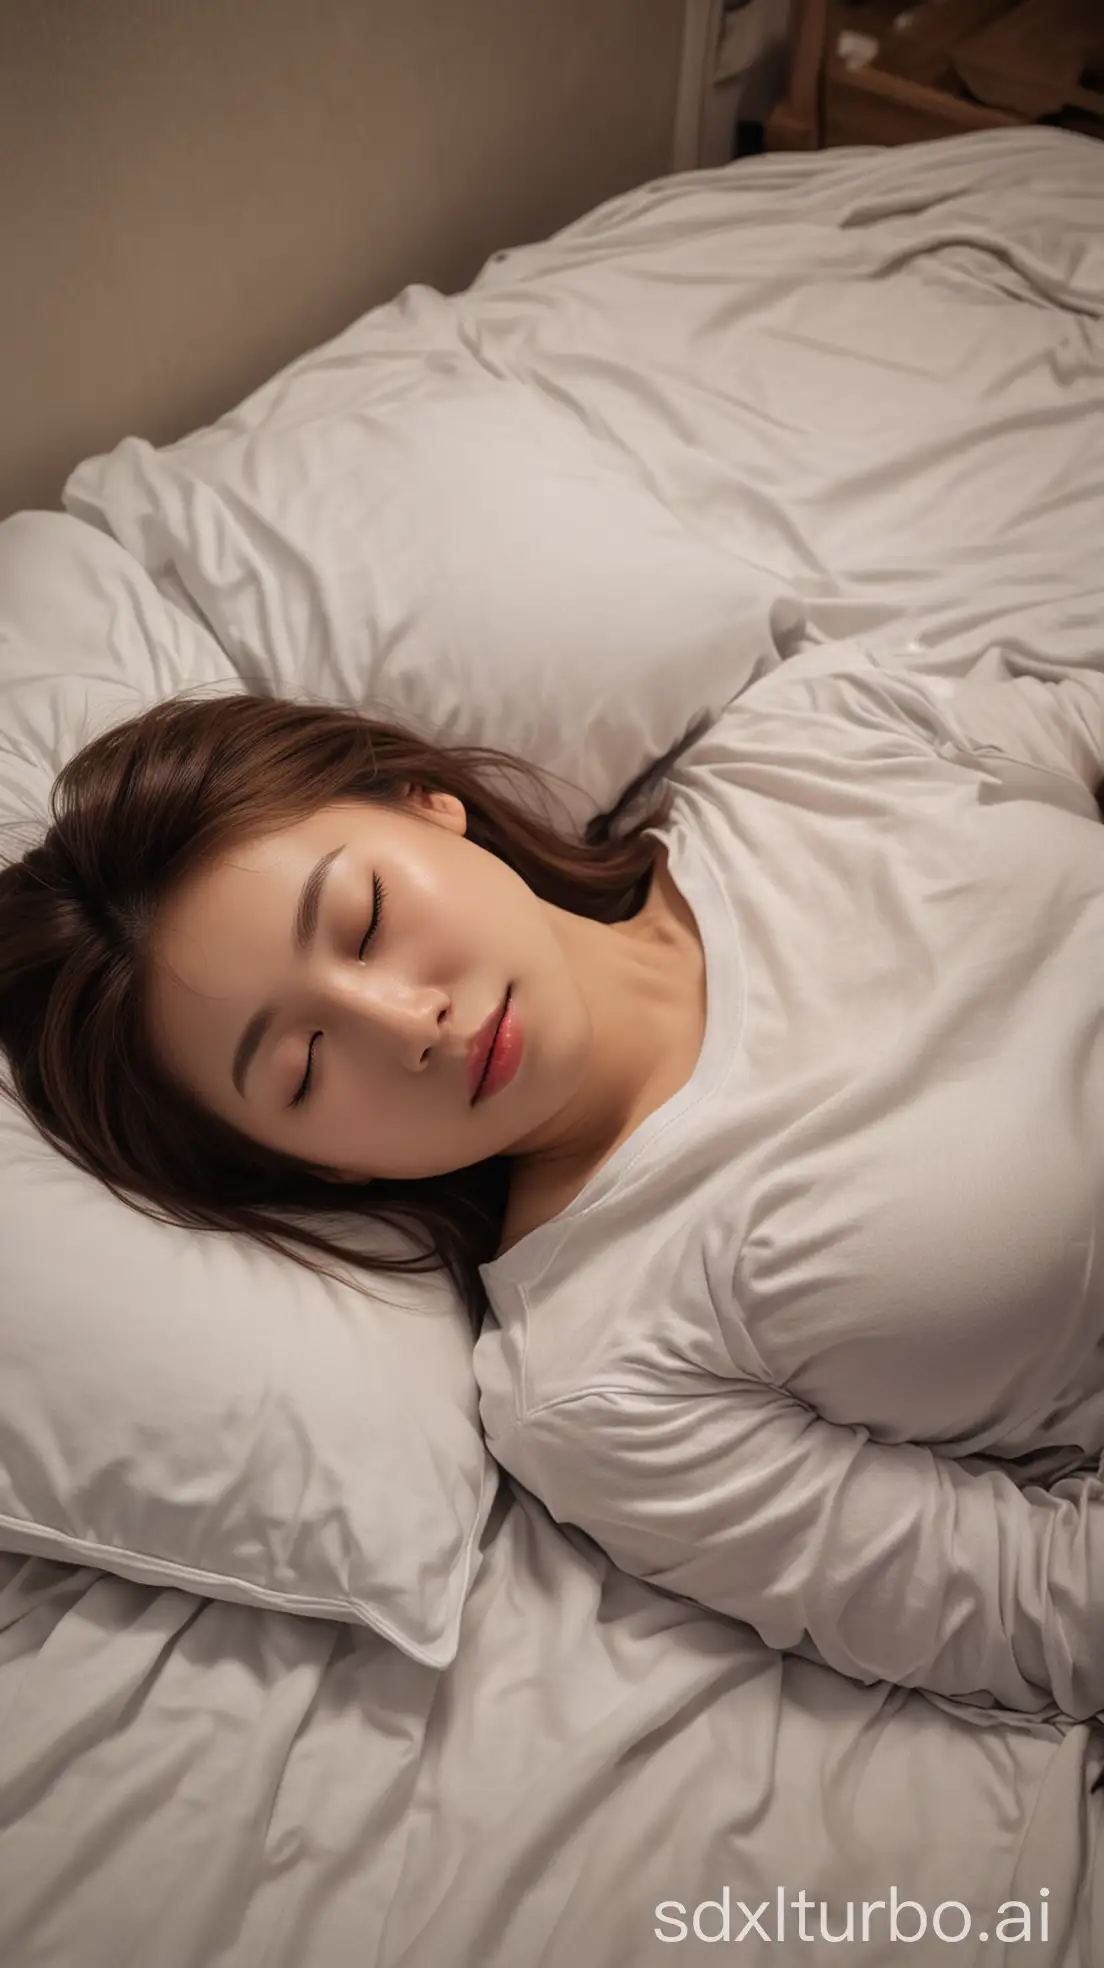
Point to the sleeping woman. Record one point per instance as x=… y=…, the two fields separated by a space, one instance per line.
x=762 y=1129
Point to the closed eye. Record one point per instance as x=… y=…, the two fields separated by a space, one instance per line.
x=379 y=896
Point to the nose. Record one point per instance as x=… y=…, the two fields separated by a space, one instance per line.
x=410 y=1019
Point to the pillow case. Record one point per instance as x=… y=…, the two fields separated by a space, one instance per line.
x=383 y=525
x=387 y=524
x=189 y=1410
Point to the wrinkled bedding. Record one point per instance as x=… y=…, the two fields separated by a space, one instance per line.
x=881 y=376
x=185 y=1782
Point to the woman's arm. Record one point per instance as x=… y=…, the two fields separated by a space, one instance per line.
x=894 y=1563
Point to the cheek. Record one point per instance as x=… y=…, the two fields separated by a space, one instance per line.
x=456 y=923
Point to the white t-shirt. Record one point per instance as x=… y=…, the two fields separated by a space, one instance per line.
x=768 y=1356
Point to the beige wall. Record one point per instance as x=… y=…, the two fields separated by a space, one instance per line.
x=193 y=191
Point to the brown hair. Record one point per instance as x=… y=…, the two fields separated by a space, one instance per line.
x=141 y=808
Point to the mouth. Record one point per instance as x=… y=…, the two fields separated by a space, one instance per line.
x=482 y=1057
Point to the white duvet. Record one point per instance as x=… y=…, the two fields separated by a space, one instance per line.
x=195 y=1785
x=884 y=376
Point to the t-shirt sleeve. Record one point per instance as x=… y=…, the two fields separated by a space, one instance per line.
x=1051 y=727
x=887 y=1562
x=1041 y=739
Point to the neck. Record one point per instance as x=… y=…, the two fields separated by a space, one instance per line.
x=634 y=976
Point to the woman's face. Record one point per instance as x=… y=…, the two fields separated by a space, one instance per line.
x=387 y=1022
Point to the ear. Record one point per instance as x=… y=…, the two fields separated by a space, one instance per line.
x=444 y=809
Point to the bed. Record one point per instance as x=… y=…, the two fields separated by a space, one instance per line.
x=856 y=396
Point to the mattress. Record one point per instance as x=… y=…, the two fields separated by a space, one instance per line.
x=880 y=376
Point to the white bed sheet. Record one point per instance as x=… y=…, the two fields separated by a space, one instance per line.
x=883 y=374
x=205 y=1786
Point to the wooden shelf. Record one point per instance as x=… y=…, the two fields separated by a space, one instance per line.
x=937 y=68
x=1044 y=57
x=874 y=106
x=916 y=42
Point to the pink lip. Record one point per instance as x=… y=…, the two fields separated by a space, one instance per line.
x=505 y=1054
x=479 y=1051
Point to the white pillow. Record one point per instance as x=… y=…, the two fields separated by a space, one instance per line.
x=189 y=1410
x=452 y=551
x=382 y=525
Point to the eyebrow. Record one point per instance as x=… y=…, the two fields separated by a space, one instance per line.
x=303 y=932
